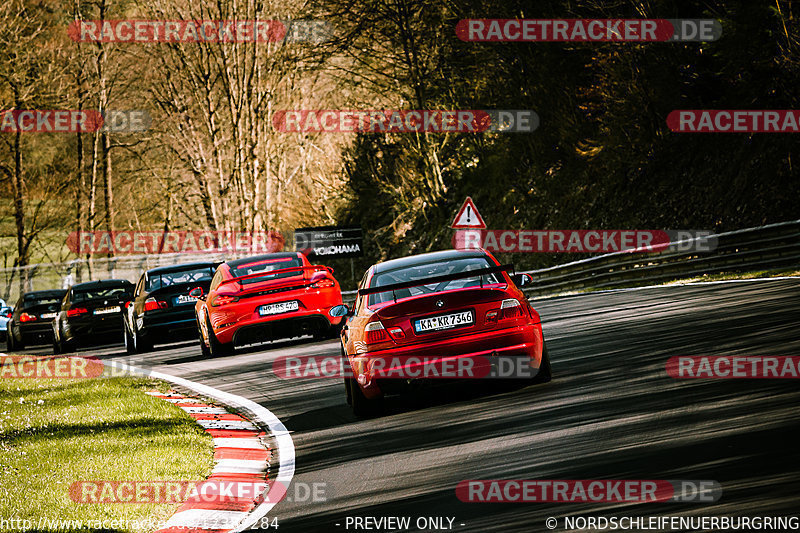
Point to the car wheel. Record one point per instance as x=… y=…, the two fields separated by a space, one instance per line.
x=203 y=346
x=130 y=346
x=347 y=392
x=362 y=406
x=545 y=374
x=216 y=348
x=141 y=344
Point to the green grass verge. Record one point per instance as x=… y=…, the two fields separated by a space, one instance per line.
x=56 y=432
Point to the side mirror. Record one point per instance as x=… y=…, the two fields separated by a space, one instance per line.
x=196 y=293
x=340 y=310
x=522 y=280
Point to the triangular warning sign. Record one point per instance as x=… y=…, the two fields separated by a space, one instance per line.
x=468 y=217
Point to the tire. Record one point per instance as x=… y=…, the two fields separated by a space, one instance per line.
x=141 y=344
x=216 y=348
x=348 y=394
x=362 y=406
x=19 y=346
x=10 y=342
x=206 y=353
x=545 y=373
x=130 y=346
x=57 y=349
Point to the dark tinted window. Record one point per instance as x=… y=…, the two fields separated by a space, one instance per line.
x=267 y=265
x=160 y=280
x=33 y=300
x=430 y=270
x=97 y=293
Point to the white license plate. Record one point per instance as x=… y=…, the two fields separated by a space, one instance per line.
x=280 y=307
x=107 y=310
x=438 y=323
x=185 y=299
x=48 y=315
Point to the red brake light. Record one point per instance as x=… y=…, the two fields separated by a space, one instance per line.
x=77 y=311
x=151 y=304
x=511 y=308
x=375 y=333
x=323 y=283
x=25 y=317
x=223 y=299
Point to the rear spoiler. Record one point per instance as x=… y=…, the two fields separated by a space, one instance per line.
x=437 y=279
x=278 y=271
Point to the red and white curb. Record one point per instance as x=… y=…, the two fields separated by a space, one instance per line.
x=239 y=452
x=241 y=457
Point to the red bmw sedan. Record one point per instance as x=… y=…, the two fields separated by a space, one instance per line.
x=418 y=316
x=266 y=297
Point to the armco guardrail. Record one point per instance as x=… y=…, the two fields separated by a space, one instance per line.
x=770 y=247
x=767 y=247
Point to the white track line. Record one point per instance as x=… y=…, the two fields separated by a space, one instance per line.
x=257 y=413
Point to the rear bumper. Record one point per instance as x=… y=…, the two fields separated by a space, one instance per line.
x=93 y=334
x=286 y=328
x=41 y=332
x=242 y=324
x=469 y=357
x=169 y=329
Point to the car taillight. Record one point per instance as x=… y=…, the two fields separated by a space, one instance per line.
x=510 y=309
x=77 y=311
x=9 y=314
x=223 y=300
x=397 y=333
x=376 y=332
x=25 y=317
x=323 y=283
x=151 y=304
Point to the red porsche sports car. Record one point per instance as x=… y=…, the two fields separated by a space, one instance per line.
x=266 y=297
x=455 y=308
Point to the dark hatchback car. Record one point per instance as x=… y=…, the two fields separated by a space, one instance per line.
x=162 y=310
x=31 y=322
x=91 y=314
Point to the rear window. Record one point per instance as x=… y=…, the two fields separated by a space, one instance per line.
x=160 y=280
x=265 y=266
x=430 y=270
x=97 y=293
x=33 y=301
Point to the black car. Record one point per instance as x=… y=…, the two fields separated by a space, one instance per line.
x=31 y=321
x=91 y=313
x=162 y=310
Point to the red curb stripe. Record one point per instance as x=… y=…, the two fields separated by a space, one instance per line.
x=246 y=454
x=211 y=416
x=234 y=433
x=224 y=503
